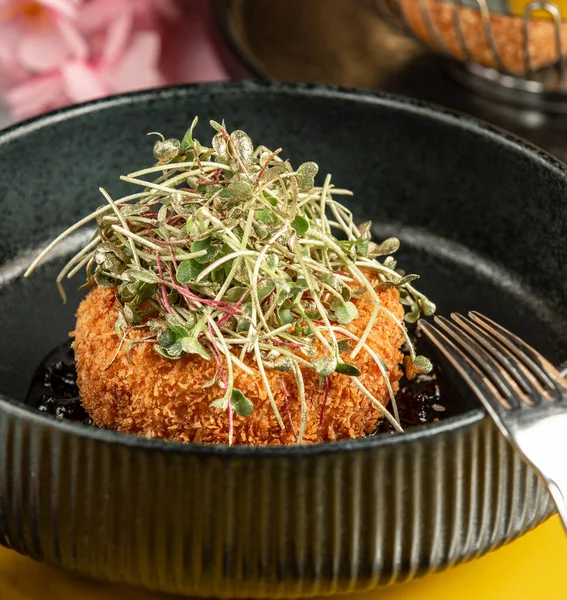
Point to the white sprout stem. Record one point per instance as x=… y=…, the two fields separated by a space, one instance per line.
x=78 y=257
x=319 y=305
x=272 y=308
x=360 y=276
x=379 y=406
x=237 y=262
x=241 y=365
x=323 y=203
x=273 y=332
x=401 y=327
x=223 y=227
x=158 y=186
x=347 y=214
x=379 y=363
x=376 y=266
x=79 y=266
x=332 y=291
x=314 y=243
x=222 y=260
x=288 y=354
x=266 y=383
x=72 y=229
x=135 y=257
x=182 y=165
x=340 y=222
x=230 y=372
x=167 y=181
x=319 y=335
x=150 y=258
x=342 y=192
x=304 y=411
x=132 y=237
x=256 y=272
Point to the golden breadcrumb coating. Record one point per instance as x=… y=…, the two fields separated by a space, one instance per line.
x=161 y=398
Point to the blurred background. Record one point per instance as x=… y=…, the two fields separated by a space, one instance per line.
x=499 y=60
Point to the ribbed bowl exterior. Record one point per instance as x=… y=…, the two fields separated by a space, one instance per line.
x=202 y=522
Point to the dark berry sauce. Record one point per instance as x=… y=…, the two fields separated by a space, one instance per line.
x=54 y=391
x=419 y=402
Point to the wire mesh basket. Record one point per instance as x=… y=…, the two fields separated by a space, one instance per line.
x=510 y=50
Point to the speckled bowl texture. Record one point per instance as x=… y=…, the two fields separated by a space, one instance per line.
x=481 y=216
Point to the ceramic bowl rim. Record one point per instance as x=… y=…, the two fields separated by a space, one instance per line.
x=391 y=101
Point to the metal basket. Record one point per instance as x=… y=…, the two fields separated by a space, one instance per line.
x=501 y=49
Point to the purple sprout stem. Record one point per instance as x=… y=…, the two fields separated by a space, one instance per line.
x=327 y=387
x=163 y=292
x=286 y=404
x=220 y=370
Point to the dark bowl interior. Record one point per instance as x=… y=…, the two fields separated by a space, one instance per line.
x=481 y=218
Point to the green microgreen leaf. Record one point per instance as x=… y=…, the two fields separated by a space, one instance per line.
x=325 y=365
x=346 y=313
x=191 y=345
x=166 y=150
x=188 y=270
x=221 y=403
x=243 y=325
x=209 y=383
x=265 y=215
x=187 y=140
x=174 y=351
x=285 y=316
x=205 y=244
x=242 y=145
x=388 y=246
x=166 y=338
x=265 y=288
x=306 y=175
x=270 y=197
x=235 y=293
x=420 y=365
x=242 y=405
x=139 y=274
x=240 y=190
x=145 y=292
x=308 y=350
x=347 y=369
x=282 y=363
x=300 y=225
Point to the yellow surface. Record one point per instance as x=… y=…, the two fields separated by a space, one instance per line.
x=533 y=567
x=517 y=8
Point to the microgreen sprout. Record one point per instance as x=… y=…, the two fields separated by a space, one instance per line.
x=229 y=251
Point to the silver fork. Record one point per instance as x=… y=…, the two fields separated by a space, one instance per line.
x=522 y=391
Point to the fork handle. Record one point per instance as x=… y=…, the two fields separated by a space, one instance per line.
x=559 y=494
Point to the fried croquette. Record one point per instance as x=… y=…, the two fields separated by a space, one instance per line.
x=152 y=396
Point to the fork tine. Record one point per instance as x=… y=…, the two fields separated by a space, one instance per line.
x=509 y=390
x=508 y=361
x=469 y=371
x=532 y=359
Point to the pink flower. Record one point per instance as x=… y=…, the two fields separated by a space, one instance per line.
x=189 y=54
x=58 y=52
x=98 y=14
x=37 y=36
x=136 y=67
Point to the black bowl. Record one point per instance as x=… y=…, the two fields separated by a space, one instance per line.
x=481 y=217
